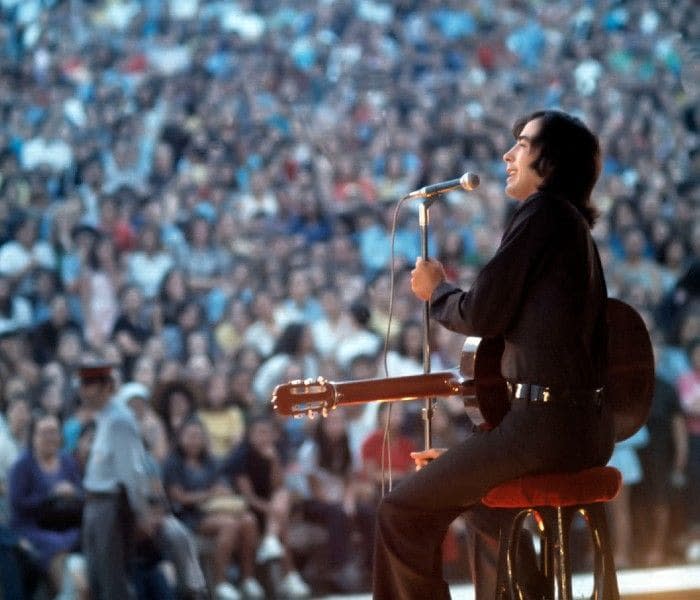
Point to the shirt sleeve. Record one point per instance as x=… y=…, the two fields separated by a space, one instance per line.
x=130 y=465
x=492 y=302
x=25 y=495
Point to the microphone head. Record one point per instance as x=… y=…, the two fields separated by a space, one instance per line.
x=469 y=181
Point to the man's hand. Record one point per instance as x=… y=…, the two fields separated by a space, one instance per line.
x=147 y=524
x=423 y=457
x=426 y=276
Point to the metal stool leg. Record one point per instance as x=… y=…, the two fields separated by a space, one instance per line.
x=507 y=586
x=604 y=577
x=555 y=556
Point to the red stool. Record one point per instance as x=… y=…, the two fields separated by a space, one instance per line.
x=556 y=498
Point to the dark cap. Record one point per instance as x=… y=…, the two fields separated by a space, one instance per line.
x=93 y=370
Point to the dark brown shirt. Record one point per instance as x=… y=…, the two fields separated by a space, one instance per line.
x=544 y=293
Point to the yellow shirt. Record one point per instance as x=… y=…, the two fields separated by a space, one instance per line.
x=225 y=428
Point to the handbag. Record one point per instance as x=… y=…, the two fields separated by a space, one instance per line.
x=59 y=512
x=227 y=503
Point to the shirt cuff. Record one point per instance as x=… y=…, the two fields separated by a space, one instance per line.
x=443 y=289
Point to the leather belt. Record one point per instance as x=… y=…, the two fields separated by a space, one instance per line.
x=541 y=394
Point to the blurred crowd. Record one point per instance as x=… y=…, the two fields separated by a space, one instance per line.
x=206 y=194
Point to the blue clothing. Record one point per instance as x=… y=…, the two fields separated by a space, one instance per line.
x=177 y=472
x=29 y=486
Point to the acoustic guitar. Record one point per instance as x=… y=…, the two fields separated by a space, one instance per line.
x=628 y=388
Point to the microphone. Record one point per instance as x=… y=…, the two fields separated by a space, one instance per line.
x=468 y=182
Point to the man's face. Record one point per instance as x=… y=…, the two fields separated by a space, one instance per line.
x=523 y=180
x=95 y=392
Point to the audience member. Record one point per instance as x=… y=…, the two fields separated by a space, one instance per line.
x=689 y=395
x=256 y=469
x=386 y=452
x=45 y=493
x=664 y=461
x=332 y=497
x=222 y=420
x=207 y=505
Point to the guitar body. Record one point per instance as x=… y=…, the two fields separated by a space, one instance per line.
x=629 y=387
x=481 y=363
x=628 y=390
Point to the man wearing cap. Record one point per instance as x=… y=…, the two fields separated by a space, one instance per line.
x=116 y=484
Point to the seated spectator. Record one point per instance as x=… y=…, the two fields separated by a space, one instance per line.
x=386 y=453
x=260 y=200
x=16 y=360
x=131 y=329
x=46 y=287
x=203 y=260
x=147 y=266
x=635 y=269
x=223 y=421
x=242 y=393
x=664 y=461
x=13 y=441
x=176 y=336
x=175 y=401
x=46 y=333
x=173 y=294
x=206 y=504
x=300 y=305
x=45 y=501
x=24 y=253
x=688 y=385
x=334 y=326
x=406 y=357
x=327 y=484
x=294 y=345
x=256 y=469
x=228 y=333
x=360 y=341
x=625 y=458
x=264 y=330
x=99 y=284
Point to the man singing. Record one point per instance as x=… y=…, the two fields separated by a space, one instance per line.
x=544 y=293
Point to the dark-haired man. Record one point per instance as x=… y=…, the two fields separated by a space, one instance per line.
x=544 y=293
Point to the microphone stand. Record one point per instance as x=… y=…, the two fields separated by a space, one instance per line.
x=427 y=412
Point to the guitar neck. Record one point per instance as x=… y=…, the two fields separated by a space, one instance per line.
x=411 y=387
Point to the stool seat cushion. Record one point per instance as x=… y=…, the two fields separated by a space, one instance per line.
x=597 y=484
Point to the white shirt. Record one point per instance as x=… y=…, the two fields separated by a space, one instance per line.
x=147 y=271
x=14 y=257
x=118 y=457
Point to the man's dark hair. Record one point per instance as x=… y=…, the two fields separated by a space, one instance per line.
x=569 y=158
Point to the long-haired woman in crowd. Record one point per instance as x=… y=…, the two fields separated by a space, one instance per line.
x=206 y=504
